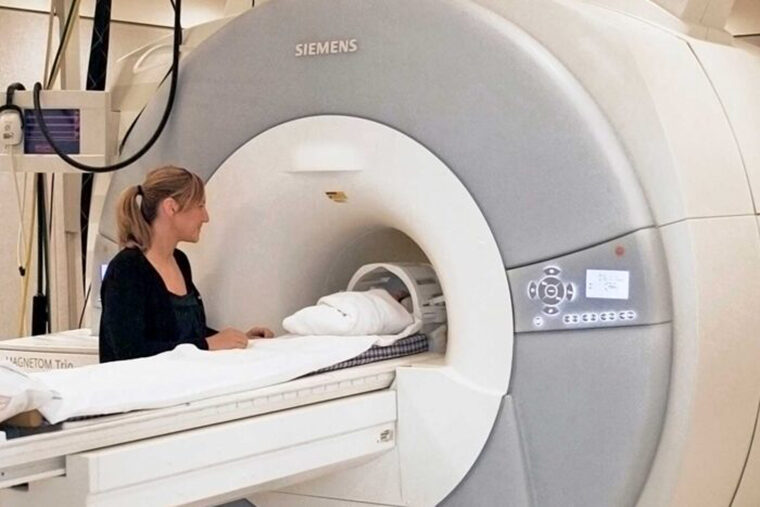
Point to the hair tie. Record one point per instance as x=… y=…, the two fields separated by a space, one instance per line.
x=141 y=206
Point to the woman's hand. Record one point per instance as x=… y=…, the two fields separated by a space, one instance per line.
x=229 y=338
x=260 y=332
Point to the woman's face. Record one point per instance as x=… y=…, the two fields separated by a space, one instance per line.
x=188 y=222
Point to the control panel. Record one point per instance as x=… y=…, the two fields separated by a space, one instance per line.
x=551 y=290
x=620 y=283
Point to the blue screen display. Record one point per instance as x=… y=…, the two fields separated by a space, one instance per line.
x=63 y=126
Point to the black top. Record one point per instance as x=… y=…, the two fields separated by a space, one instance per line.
x=189 y=316
x=138 y=318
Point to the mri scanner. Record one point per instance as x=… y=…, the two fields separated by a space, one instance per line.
x=582 y=180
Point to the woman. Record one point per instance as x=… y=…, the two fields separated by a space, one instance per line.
x=150 y=304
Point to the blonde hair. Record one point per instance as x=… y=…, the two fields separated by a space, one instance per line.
x=138 y=204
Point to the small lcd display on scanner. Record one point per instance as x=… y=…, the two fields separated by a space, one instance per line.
x=607 y=284
x=63 y=126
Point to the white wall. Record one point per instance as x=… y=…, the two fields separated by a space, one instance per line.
x=745 y=18
x=711 y=13
x=744 y=21
x=23 y=26
x=151 y=12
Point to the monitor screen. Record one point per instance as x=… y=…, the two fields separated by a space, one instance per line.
x=63 y=126
x=606 y=284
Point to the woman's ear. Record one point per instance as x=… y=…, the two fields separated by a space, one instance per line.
x=169 y=206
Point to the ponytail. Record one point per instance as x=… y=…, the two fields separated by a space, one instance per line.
x=134 y=229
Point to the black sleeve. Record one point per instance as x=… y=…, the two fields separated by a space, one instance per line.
x=122 y=323
x=125 y=310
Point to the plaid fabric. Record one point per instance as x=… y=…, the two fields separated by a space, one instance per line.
x=404 y=347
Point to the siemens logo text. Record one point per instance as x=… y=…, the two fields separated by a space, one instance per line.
x=329 y=47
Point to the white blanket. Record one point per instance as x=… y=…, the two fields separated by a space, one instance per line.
x=187 y=374
x=358 y=314
x=19 y=392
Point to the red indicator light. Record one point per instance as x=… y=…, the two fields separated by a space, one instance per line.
x=619 y=251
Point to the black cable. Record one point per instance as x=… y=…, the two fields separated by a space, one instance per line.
x=134 y=122
x=97 y=74
x=84 y=306
x=45 y=244
x=12 y=88
x=40 y=302
x=156 y=134
x=50 y=212
x=40 y=230
x=47 y=248
x=48 y=235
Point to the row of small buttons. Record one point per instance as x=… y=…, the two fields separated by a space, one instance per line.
x=591 y=317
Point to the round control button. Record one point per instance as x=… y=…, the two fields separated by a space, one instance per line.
x=551 y=290
x=550 y=310
x=538 y=321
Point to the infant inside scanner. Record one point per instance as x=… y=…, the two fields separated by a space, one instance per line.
x=385 y=311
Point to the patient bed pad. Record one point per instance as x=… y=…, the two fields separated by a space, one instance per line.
x=187 y=374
